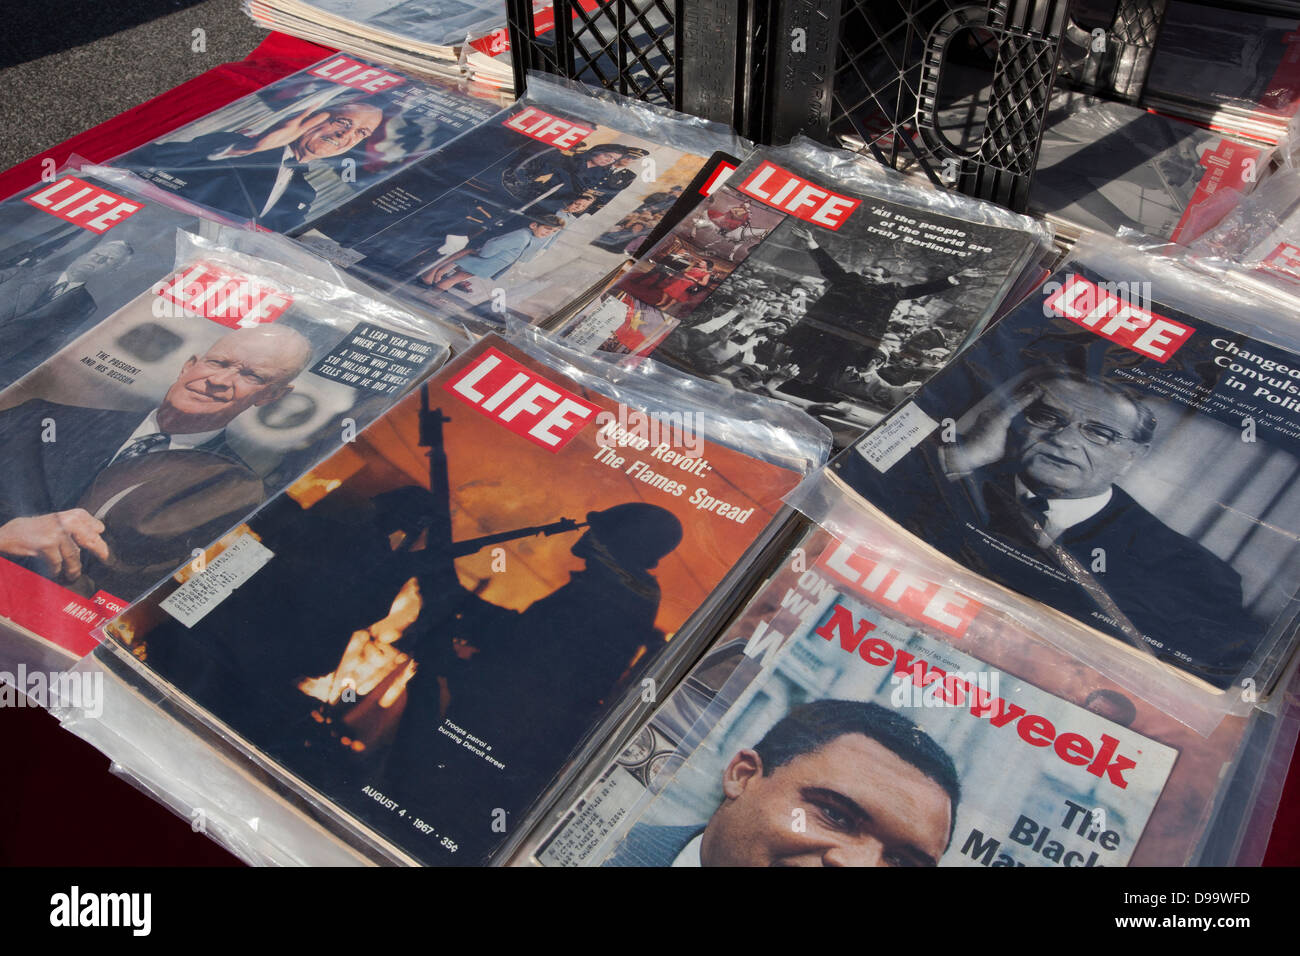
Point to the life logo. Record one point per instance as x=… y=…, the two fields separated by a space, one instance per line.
x=1116 y=318
x=941 y=607
x=360 y=76
x=78 y=202
x=521 y=400
x=781 y=189
x=548 y=129
x=227 y=298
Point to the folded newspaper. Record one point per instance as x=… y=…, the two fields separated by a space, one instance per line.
x=856 y=714
x=1123 y=448
x=818 y=278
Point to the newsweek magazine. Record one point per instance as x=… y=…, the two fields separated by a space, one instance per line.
x=820 y=279
x=72 y=251
x=151 y=434
x=1122 y=449
x=298 y=148
x=1233 y=69
x=525 y=214
x=429 y=627
x=858 y=714
x=1103 y=166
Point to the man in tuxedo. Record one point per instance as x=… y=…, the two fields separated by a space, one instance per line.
x=55 y=452
x=41 y=309
x=262 y=177
x=874 y=791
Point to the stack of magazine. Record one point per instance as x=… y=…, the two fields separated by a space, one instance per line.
x=428 y=36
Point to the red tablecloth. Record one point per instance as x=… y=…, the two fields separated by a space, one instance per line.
x=277 y=56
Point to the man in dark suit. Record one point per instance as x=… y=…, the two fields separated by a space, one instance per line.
x=1038 y=470
x=873 y=791
x=56 y=452
x=263 y=177
x=40 y=309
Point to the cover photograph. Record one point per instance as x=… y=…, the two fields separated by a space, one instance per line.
x=427 y=627
x=817 y=278
x=1122 y=448
x=525 y=214
x=72 y=252
x=298 y=148
x=151 y=434
x=856 y=714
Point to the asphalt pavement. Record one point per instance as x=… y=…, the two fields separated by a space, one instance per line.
x=67 y=65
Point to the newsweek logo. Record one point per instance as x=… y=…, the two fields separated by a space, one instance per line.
x=920 y=600
x=548 y=129
x=1098 y=755
x=346 y=71
x=78 y=202
x=1118 y=319
x=227 y=298
x=783 y=190
x=720 y=176
x=522 y=401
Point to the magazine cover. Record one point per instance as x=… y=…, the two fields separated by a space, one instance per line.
x=1103 y=166
x=151 y=434
x=72 y=251
x=298 y=148
x=424 y=628
x=818 y=279
x=1118 y=449
x=528 y=212
x=856 y=714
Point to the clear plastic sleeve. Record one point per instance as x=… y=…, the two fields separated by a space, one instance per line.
x=290 y=152
x=179 y=767
x=1103 y=166
x=466 y=695
x=917 y=688
x=841 y=308
x=527 y=214
x=73 y=251
x=1250 y=796
x=216 y=383
x=1186 y=464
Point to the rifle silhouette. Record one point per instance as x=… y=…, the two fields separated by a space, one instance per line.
x=439 y=524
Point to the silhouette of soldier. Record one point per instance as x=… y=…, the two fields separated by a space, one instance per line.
x=527 y=684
